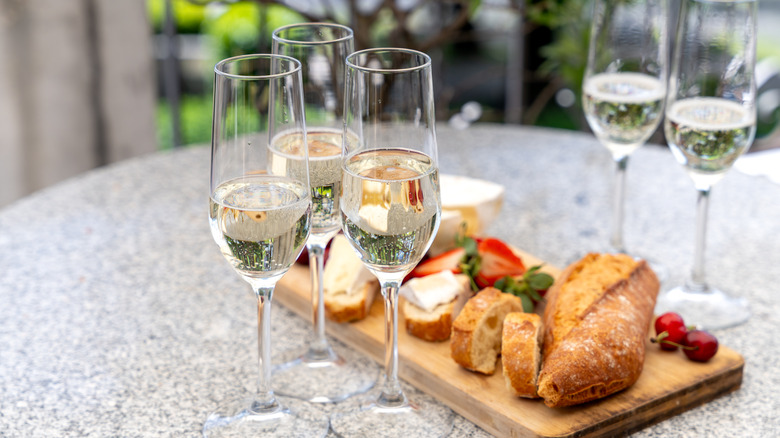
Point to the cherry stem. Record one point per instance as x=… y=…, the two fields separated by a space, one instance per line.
x=661 y=339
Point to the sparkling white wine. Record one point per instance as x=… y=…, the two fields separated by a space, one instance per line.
x=623 y=109
x=390 y=207
x=260 y=223
x=708 y=134
x=324 y=171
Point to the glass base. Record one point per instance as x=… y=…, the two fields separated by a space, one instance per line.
x=708 y=308
x=285 y=418
x=424 y=417
x=323 y=378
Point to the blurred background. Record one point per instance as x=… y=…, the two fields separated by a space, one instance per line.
x=85 y=83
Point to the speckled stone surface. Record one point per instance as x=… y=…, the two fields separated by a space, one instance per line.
x=119 y=316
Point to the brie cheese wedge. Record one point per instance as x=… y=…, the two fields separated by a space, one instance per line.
x=478 y=201
x=432 y=290
x=449 y=227
x=344 y=272
x=474 y=202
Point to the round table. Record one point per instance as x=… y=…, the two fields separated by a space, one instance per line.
x=120 y=317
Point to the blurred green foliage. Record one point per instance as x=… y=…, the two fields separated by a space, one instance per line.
x=567 y=53
x=767 y=126
x=556 y=56
x=187 y=16
x=195 y=114
x=244 y=26
x=236 y=30
x=232 y=30
x=553 y=116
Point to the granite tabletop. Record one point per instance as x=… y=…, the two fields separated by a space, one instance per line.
x=119 y=316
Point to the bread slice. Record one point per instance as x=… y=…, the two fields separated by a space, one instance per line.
x=354 y=306
x=521 y=352
x=436 y=324
x=348 y=287
x=476 y=332
x=595 y=326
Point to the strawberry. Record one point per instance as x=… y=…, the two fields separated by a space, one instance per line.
x=448 y=261
x=497 y=261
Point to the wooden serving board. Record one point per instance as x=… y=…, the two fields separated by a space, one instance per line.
x=669 y=383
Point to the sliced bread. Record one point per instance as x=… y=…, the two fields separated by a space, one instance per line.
x=476 y=332
x=431 y=320
x=521 y=352
x=349 y=288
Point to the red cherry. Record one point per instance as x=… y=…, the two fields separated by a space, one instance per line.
x=671 y=323
x=303 y=258
x=701 y=345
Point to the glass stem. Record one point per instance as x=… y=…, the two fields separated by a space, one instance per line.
x=318 y=347
x=392 y=395
x=265 y=400
x=618 y=204
x=697 y=281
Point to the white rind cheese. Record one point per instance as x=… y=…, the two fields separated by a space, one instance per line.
x=344 y=273
x=479 y=201
x=449 y=227
x=432 y=290
x=472 y=201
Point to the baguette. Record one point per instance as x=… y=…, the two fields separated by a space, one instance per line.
x=595 y=324
x=520 y=352
x=476 y=333
x=348 y=287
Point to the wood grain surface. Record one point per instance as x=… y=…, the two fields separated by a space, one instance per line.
x=669 y=384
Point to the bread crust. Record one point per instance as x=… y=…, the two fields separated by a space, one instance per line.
x=354 y=307
x=594 y=337
x=434 y=326
x=349 y=288
x=476 y=333
x=520 y=352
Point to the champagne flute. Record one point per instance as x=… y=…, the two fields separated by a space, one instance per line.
x=260 y=216
x=390 y=210
x=625 y=85
x=320 y=374
x=710 y=121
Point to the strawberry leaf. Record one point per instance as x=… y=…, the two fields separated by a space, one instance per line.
x=466 y=242
x=534 y=295
x=471 y=262
x=526 y=287
x=528 y=305
x=539 y=281
x=533 y=269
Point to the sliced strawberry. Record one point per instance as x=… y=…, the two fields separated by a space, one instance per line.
x=448 y=261
x=498 y=261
